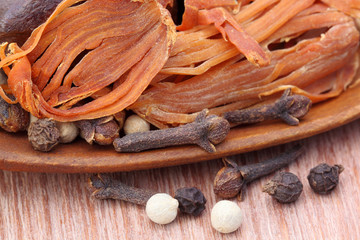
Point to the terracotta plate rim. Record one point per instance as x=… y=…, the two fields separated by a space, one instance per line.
x=80 y=157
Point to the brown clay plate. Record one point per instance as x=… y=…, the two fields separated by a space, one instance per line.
x=16 y=153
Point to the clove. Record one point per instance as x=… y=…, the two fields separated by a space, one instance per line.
x=231 y=179
x=105 y=187
x=205 y=131
x=289 y=108
x=191 y=200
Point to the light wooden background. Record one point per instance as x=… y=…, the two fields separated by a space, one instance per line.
x=58 y=206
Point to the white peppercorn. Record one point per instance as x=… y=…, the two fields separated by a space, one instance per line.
x=226 y=216
x=134 y=124
x=68 y=131
x=161 y=208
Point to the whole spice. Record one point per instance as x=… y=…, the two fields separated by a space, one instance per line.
x=68 y=131
x=324 y=178
x=205 y=131
x=161 y=208
x=103 y=130
x=285 y=187
x=12 y=117
x=105 y=187
x=230 y=180
x=120 y=118
x=289 y=108
x=43 y=134
x=226 y=216
x=191 y=200
x=134 y=124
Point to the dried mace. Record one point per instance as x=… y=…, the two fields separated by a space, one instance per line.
x=324 y=178
x=285 y=187
x=230 y=179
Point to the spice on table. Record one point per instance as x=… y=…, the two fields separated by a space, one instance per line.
x=231 y=179
x=161 y=208
x=205 y=131
x=285 y=187
x=103 y=130
x=226 y=216
x=43 y=134
x=324 y=178
x=191 y=200
x=289 y=108
x=12 y=117
x=105 y=187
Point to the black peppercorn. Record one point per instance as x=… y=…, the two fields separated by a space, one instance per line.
x=324 y=178
x=191 y=200
x=284 y=187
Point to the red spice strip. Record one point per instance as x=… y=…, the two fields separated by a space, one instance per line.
x=301 y=65
x=132 y=37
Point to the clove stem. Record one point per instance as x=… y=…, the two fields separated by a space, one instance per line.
x=104 y=187
x=254 y=171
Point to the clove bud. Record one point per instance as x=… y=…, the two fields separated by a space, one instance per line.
x=289 y=108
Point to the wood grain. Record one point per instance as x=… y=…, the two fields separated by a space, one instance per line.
x=58 y=206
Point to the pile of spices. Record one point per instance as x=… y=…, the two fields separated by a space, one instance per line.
x=223 y=56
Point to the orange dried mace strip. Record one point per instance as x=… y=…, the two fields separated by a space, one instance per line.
x=123 y=45
x=313 y=50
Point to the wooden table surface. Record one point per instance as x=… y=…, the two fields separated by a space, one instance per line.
x=59 y=206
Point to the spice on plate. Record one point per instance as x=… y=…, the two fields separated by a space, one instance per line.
x=43 y=134
x=324 y=178
x=231 y=179
x=289 y=108
x=12 y=117
x=285 y=187
x=103 y=130
x=68 y=131
x=134 y=124
x=205 y=131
